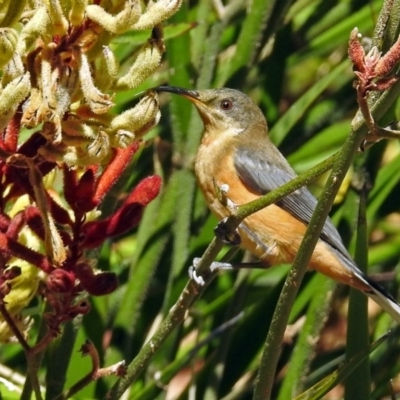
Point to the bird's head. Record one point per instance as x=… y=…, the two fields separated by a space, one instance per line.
x=223 y=109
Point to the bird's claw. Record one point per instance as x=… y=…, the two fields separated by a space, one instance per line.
x=224 y=233
x=215 y=266
x=193 y=274
x=224 y=189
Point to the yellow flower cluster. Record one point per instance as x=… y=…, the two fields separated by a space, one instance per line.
x=58 y=76
x=58 y=70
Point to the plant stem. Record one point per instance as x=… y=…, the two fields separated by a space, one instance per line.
x=272 y=350
x=193 y=291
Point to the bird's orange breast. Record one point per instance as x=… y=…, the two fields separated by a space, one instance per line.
x=274 y=229
x=272 y=234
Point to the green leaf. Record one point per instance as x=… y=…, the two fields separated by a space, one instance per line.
x=297 y=110
x=358 y=383
x=303 y=352
x=325 y=385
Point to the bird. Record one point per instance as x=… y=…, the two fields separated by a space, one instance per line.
x=237 y=156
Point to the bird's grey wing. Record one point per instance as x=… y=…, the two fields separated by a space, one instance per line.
x=262 y=177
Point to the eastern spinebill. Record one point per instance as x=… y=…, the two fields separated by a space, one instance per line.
x=236 y=152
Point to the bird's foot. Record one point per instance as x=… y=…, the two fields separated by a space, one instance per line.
x=222 y=191
x=215 y=266
x=224 y=233
x=193 y=273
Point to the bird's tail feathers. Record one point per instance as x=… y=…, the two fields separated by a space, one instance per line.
x=385 y=300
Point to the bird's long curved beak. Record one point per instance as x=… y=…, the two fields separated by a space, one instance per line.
x=190 y=94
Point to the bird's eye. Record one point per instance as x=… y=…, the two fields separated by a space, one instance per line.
x=226 y=105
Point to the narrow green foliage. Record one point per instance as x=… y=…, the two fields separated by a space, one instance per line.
x=358 y=383
x=74 y=82
x=310 y=329
x=325 y=385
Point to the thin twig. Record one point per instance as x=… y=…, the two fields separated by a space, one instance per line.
x=193 y=291
x=96 y=373
x=270 y=357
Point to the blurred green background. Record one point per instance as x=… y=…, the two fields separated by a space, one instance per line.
x=291 y=58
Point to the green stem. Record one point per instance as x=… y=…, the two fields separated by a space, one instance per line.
x=176 y=315
x=358 y=383
x=272 y=348
x=302 y=180
x=31 y=360
x=59 y=356
x=386 y=29
x=193 y=291
x=271 y=353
